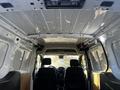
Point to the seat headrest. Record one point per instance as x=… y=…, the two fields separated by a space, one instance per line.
x=46 y=61
x=74 y=63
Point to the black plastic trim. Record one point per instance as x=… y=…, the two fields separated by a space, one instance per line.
x=6 y=5
x=64 y=4
x=107 y=3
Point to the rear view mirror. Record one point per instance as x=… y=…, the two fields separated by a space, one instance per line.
x=61 y=56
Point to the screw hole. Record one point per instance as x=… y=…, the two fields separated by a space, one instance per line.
x=7 y=9
x=32 y=3
x=17 y=39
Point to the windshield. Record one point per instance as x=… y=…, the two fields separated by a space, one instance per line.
x=56 y=61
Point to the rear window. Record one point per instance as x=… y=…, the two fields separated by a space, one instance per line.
x=3 y=51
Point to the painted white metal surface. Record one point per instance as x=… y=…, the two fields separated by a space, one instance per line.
x=20 y=5
x=35 y=19
x=11 y=39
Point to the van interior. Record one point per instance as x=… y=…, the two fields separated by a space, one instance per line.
x=59 y=44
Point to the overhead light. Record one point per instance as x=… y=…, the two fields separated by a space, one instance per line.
x=102 y=38
x=102 y=24
x=67 y=21
x=37 y=29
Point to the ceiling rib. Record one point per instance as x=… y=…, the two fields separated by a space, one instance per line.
x=15 y=30
x=12 y=24
x=45 y=21
x=76 y=21
x=59 y=35
x=60 y=14
x=28 y=19
x=108 y=28
x=100 y=29
x=37 y=24
x=87 y=23
x=100 y=32
x=60 y=20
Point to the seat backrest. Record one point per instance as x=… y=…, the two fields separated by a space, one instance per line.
x=46 y=61
x=75 y=78
x=46 y=78
x=11 y=81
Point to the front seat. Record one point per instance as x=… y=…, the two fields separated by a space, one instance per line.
x=75 y=78
x=11 y=81
x=46 y=78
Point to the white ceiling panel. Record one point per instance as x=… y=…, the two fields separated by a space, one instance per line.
x=38 y=20
x=21 y=20
x=32 y=17
x=52 y=19
x=23 y=5
x=68 y=20
x=83 y=20
x=57 y=21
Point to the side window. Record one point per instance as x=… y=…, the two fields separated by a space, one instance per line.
x=116 y=50
x=3 y=51
x=98 y=59
x=18 y=57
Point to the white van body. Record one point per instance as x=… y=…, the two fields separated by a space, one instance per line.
x=61 y=30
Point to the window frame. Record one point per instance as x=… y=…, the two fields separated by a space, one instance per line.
x=5 y=53
x=99 y=43
x=112 y=47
